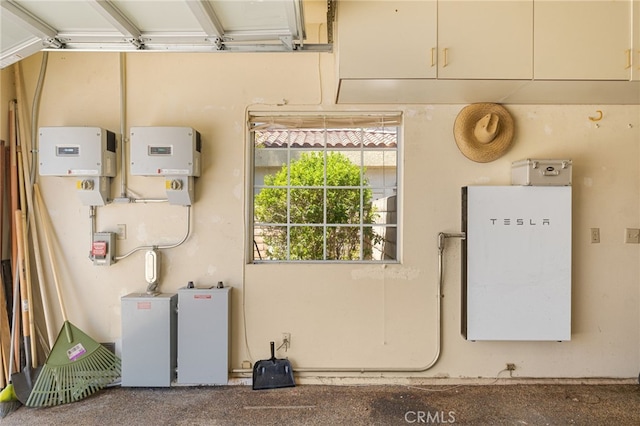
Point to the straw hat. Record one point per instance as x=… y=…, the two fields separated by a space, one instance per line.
x=483 y=131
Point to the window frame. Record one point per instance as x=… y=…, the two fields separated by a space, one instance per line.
x=261 y=121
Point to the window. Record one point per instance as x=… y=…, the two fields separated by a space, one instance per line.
x=325 y=188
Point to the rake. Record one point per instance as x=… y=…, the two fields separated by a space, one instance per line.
x=77 y=365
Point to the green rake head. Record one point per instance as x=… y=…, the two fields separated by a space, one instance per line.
x=77 y=367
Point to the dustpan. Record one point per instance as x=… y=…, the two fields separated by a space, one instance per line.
x=273 y=373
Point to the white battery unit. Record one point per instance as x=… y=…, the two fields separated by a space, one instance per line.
x=203 y=336
x=541 y=172
x=516 y=259
x=149 y=337
x=165 y=151
x=77 y=151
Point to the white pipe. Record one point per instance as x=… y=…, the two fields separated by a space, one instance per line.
x=442 y=236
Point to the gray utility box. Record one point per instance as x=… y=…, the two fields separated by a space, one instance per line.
x=541 y=172
x=77 y=151
x=149 y=350
x=203 y=336
x=165 y=151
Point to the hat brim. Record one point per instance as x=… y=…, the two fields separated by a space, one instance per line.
x=469 y=145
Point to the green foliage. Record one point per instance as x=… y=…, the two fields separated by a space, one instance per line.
x=306 y=178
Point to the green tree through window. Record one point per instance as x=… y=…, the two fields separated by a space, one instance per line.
x=326 y=202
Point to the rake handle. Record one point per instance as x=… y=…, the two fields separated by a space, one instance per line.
x=54 y=270
x=24 y=300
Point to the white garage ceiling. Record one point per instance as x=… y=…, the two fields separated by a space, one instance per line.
x=29 y=26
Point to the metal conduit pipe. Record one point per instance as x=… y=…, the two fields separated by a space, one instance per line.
x=123 y=126
x=158 y=246
x=442 y=236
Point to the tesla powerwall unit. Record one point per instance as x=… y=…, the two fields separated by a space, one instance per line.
x=169 y=152
x=516 y=263
x=86 y=153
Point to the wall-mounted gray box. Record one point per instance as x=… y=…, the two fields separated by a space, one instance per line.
x=203 y=336
x=149 y=350
x=165 y=151
x=77 y=151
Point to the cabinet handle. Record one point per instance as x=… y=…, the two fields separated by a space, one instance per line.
x=628 y=53
x=445 y=51
x=433 y=56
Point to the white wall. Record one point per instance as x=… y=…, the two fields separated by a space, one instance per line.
x=341 y=315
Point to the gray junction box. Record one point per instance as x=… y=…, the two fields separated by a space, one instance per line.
x=203 y=336
x=149 y=350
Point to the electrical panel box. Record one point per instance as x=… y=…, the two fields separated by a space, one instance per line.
x=203 y=336
x=165 y=151
x=149 y=350
x=77 y=151
x=516 y=259
x=103 y=248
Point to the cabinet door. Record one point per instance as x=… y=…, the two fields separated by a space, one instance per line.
x=485 y=39
x=582 y=40
x=387 y=39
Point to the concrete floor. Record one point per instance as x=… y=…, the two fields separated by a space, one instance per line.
x=516 y=404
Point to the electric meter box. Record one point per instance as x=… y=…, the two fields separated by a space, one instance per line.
x=165 y=151
x=77 y=151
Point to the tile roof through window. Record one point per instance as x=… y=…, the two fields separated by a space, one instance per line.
x=341 y=138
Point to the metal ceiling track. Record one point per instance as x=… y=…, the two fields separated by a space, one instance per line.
x=126 y=33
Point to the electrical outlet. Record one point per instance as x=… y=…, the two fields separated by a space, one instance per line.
x=121 y=233
x=632 y=236
x=286 y=340
x=595 y=235
x=511 y=367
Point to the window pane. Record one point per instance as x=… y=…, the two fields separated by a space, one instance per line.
x=307 y=168
x=381 y=242
x=306 y=206
x=385 y=210
x=307 y=243
x=270 y=242
x=343 y=206
x=270 y=205
x=343 y=243
x=343 y=168
x=381 y=168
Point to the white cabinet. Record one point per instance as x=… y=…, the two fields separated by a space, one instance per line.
x=387 y=39
x=485 y=39
x=506 y=51
x=582 y=40
x=436 y=39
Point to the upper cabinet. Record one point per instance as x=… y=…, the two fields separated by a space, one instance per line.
x=507 y=51
x=485 y=39
x=387 y=39
x=436 y=39
x=582 y=40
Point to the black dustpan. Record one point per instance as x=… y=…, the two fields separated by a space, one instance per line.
x=272 y=373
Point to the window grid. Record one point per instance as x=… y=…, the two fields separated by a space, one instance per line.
x=362 y=225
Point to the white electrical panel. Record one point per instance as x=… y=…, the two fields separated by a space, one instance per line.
x=516 y=263
x=165 y=151
x=77 y=151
